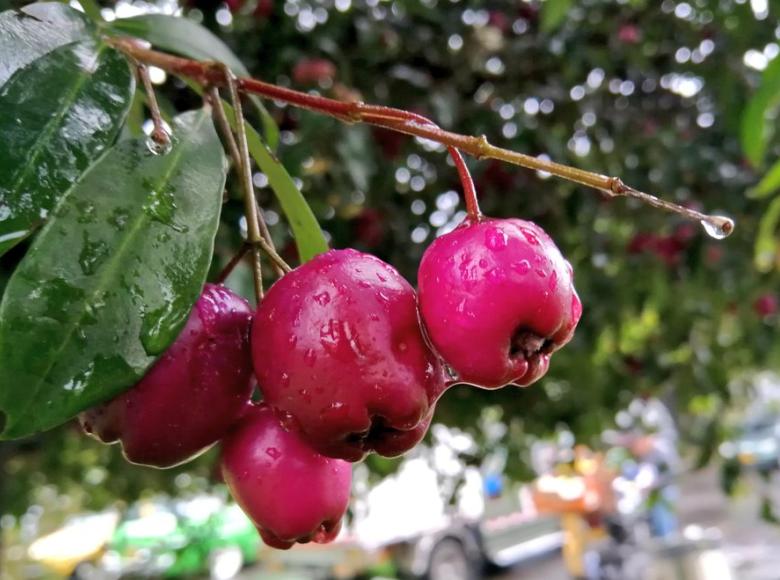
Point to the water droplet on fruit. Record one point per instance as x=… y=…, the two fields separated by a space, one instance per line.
x=496 y=239
x=530 y=237
x=523 y=266
x=483 y=263
x=553 y=283
x=322 y=298
x=718 y=226
x=540 y=272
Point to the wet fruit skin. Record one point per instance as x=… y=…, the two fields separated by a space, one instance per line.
x=290 y=492
x=497 y=299
x=337 y=345
x=192 y=395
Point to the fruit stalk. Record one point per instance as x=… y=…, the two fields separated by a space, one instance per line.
x=209 y=74
x=159 y=134
x=220 y=119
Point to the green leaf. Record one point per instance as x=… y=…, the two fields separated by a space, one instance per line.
x=111 y=279
x=756 y=131
x=306 y=229
x=29 y=33
x=768 y=184
x=60 y=113
x=91 y=9
x=188 y=38
x=554 y=13
x=766 y=240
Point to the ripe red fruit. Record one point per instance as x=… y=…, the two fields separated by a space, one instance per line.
x=290 y=492
x=497 y=299
x=337 y=345
x=192 y=395
x=766 y=305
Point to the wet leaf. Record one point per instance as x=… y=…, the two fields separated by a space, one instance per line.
x=60 y=112
x=188 y=38
x=110 y=280
x=29 y=33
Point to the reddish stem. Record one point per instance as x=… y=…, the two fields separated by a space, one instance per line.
x=211 y=74
x=234 y=261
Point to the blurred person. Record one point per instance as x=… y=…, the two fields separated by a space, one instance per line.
x=650 y=435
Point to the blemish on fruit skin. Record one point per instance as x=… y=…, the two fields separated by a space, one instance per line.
x=273 y=453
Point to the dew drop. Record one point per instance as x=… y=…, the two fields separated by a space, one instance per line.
x=718 y=226
x=159 y=146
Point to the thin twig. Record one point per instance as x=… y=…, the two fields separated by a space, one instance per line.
x=266 y=244
x=250 y=207
x=230 y=266
x=209 y=73
x=159 y=134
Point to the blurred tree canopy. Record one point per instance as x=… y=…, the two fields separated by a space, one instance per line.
x=654 y=92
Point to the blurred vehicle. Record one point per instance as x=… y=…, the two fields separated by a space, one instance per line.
x=444 y=515
x=73 y=550
x=756 y=444
x=169 y=539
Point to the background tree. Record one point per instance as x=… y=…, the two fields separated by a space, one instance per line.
x=659 y=96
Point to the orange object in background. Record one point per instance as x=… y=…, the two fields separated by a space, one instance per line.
x=581 y=493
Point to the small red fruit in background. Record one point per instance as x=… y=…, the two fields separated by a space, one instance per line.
x=192 y=395
x=629 y=34
x=337 y=345
x=497 y=299
x=312 y=71
x=369 y=228
x=290 y=492
x=766 y=305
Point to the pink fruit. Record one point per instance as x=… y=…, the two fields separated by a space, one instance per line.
x=191 y=396
x=497 y=299
x=765 y=305
x=337 y=345
x=290 y=492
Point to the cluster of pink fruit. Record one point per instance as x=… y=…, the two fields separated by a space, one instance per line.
x=348 y=360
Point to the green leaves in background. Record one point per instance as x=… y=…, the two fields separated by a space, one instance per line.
x=29 y=33
x=554 y=13
x=768 y=184
x=757 y=126
x=60 y=113
x=110 y=280
x=188 y=38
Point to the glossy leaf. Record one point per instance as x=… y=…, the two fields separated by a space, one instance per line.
x=60 y=112
x=757 y=129
x=29 y=33
x=188 y=38
x=768 y=184
x=111 y=279
x=306 y=229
